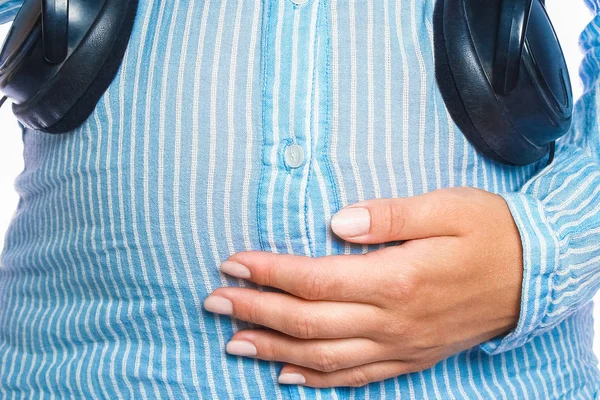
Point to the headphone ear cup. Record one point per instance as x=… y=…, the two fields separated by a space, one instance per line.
x=515 y=128
x=447 y=85
x=100 y=69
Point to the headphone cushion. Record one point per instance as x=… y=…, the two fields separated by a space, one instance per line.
x=36 y=115
x=507 y=127
x=447 y=85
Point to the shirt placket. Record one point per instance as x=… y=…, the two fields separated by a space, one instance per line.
x=289 y=48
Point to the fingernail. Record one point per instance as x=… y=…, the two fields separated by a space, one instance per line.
x=292 y=379
x=351 y=222
x=235 y=269
x=241 y=348
x=219 y=305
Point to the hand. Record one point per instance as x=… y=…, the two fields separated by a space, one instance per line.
x=348 y=320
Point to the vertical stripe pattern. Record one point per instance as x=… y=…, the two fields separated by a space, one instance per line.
x=122 y=223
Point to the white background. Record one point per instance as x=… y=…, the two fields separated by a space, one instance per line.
x=569 y=17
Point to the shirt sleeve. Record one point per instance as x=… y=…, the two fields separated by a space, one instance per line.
x=8 y=10
x=557 y=213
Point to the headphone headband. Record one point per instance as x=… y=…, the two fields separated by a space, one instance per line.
x=510 y=41
x=55 y=29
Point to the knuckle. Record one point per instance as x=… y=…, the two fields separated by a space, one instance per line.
x=444 y=211
x=269 y=275
x=272 y=350
x=406 y=286
x=422 y=365
x=358 y=377
x=326 y=360
x=253 y=311
x=275 y=263
x=422 y=348
x=455 y=207
x=396 y=219
x=395 y=329
x=304 y=326
x=428 y=363
x=313 y=287
x=454 y=196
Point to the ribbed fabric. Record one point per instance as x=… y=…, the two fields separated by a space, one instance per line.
x=122 y=223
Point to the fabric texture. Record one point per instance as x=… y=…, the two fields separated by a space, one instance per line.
x=122 y=224
x=8 y=9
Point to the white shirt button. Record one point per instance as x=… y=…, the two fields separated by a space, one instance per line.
x=294 y=156
x=299 y=2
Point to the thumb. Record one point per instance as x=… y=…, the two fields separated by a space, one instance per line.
x=438 y=213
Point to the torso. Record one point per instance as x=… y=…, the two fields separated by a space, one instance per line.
x=123 y=223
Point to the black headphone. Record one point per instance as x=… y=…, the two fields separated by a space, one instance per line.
x=503 y=76
x=499 y=67
x=60 y=56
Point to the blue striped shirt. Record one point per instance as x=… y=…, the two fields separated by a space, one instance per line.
x=121 y=224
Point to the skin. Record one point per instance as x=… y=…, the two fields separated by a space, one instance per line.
x=349 y=320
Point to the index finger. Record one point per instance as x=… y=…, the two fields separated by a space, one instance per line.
x=337 y=278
